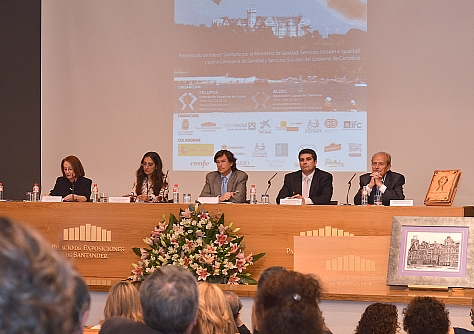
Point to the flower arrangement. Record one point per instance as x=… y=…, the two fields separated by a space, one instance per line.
x=199 y=242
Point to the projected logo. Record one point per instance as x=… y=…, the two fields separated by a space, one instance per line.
x=193 y=150
x=333 y=163
x=201 y=164
x=353 y=125
x=187 y=101
x=355 y=150
x=281 y=149
x=332 y=147
x=312 y=127
x=259 y=151
x=265 y=127
x=252 y=125
x=330 y=123
x=185 y=124
x=260 y=99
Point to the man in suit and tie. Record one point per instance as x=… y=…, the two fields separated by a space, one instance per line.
x=310 y=184
x=382 y=180
x=229 y=183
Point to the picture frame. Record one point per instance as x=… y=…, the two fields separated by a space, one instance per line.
x=443 y=187
x=432 y=251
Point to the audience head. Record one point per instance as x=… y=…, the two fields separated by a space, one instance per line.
x=36 y=283
x=234 y=302
x=123 y=301
x=426 y=315
x=73 y=162
x=82 y=304
x=267 y=272
x=170 y=300
x=287 y=303
x=378 y=318
x=215 y=315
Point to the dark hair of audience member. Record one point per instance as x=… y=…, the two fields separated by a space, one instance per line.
x=378 y=318
x=170 y=299
x=287 y=303
x=82 y=304
x=234 y=302
x=426 y=315
x=123 y=301
x=267 y=272
x=36 y=283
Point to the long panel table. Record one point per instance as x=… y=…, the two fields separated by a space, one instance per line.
x=267 y=228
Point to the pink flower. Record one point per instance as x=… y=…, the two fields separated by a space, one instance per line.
x=240 y=264
x=202 y=274
x=144 y=253
x=186 y=213
x=233 y=248
x=222 y=228
x=233 y=279
x=221 y=239
x=204 y=215
x=249 y=259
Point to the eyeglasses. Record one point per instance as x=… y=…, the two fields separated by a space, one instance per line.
x=149 y=164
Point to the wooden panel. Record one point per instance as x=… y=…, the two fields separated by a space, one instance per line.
x=267 y=228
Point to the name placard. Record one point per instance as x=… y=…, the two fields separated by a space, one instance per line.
x=51 y=199
x=401 y=202
x=119 y=199
x=208 y=200
x=291 y=201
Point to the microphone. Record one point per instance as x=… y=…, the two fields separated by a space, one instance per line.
x=270 y=183
x=348 y=189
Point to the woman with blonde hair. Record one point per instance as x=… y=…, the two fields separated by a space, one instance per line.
x=214 y=315
x=123 y=301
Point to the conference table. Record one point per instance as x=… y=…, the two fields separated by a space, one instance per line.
x=118 y=227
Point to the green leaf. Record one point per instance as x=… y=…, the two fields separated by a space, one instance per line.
x=257 y=257
x=137 y=251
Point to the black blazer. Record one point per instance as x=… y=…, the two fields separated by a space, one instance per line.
x=394 y=183
x=81 y=187
x=320 y=191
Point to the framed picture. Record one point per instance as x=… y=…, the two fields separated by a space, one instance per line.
x=443 y=187
x=432 y=251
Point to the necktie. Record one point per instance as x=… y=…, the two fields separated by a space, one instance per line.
x=224 y=185
x=306 y=183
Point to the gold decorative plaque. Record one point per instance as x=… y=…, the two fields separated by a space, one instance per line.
x=443 y=187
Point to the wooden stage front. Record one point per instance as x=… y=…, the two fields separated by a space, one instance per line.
x=267 y=228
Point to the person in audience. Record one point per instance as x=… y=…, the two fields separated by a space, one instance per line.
x=123 y=301
x=310 y=184
x=82 y=304
x=236 y=306
x=36 y=284
x=382 y=181
x=150 y=185
x=287 y=303
x=73 y=186
x=170 y=301
x=229 y=183
x=425 y=315
x=215 y=315
x=378 y=318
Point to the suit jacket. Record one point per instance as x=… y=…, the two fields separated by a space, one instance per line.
x=237 y=182
x=394 y=183
x=119 y=325
x=81 y=187
x=320 y=190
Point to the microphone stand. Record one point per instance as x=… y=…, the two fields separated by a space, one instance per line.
x=348 y=189
x=269 y=183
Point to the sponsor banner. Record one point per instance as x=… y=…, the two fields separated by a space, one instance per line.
x=270 y=140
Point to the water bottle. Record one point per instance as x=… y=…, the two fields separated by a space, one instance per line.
x=95 y=193
x=365 y=196
x=175 y=193
x=1 y=191
x=36 y=192
x=253 y=194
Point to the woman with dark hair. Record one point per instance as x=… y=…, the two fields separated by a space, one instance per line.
x=426 y=315
x=378 y=318
x=287 y=303
x=72 y=186
x=150 y=185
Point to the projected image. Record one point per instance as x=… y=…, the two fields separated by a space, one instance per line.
x=299 y=66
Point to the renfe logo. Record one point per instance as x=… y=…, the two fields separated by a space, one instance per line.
x=201 y=164
x=330 y=123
